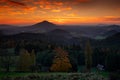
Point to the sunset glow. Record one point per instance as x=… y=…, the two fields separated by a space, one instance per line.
x=26 y=12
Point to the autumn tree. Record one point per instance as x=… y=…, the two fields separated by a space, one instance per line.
x=88 y=56
x=61 y=61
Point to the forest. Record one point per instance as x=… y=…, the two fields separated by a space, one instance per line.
x=40 y=56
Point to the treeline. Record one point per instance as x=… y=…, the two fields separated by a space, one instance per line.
x=41 y=56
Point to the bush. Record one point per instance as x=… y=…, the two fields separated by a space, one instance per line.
x=115 y=75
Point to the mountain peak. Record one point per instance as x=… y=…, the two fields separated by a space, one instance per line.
x=45 y=23
x=114 y=26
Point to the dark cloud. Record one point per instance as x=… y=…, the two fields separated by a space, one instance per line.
x=94 y=3
x=113 y=19
x=12 y=2
x=16 y=3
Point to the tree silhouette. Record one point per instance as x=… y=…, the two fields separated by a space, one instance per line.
x=88 y=56
x=33 y=60
x=6 y=59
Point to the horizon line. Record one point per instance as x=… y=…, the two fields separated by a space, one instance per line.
x=77 y=24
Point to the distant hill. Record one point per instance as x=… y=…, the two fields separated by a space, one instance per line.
x=24 y=36
x=112 y=40
x=59 y=33
x=110 y=33
x=4 y=26
x=95 y=32
x=114 y=37
x=42 y=27
x=1 y=33
x=59 y=36
x=113 y=27
x=44 y=24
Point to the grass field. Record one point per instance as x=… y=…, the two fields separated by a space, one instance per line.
x=18 y=74
x=55 y=76
x=95 y=74
x=103 y=73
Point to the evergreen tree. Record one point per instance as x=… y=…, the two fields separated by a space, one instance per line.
x=112 y=62
x=33 y=60
x=88 y=56
x=6 y=59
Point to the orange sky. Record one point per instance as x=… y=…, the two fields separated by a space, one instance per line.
x=26 y=12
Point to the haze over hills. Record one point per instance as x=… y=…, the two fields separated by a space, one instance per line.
x=75 y=31
x=59 y=36
x=114 y=37
x=113 y=40
x=110 y=33
x=36 y=28
x=67 y=35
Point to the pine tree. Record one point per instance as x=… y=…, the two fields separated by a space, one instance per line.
x=61 y=62
x=88 y=56
x=33 y=60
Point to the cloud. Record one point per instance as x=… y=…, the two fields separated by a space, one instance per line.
x=15 y=3
x=58 y=3
x=112 y=18
x=71 y=15
x=90 y=10
x=47 y=4
x=60 y=9
x=83 y=1
x=46 y=7
x=32 y=8
x=12 y=3
x=53 y=6
x=55 y=10
x=66 y=8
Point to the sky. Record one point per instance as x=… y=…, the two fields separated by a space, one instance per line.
x=74 y=12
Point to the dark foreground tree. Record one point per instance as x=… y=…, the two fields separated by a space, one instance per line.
x=112 y=62
x=6 y=59
x=24 y=61
x=33 y=61
x=88 y=56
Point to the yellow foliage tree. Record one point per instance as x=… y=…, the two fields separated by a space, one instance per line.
x=61 y=62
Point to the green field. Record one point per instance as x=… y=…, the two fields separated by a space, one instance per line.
x=18 y=74
x=55 y=76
